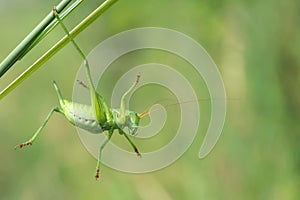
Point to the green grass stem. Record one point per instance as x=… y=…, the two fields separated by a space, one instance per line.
x=58 y=46
x=23 y=46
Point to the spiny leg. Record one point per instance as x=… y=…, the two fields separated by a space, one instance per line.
x=96 y=104
x=100 y=152
x=122 y=116
x=32 y=139
x=82 y=84
x=131 y=143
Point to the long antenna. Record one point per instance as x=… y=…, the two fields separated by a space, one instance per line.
x=147 y=110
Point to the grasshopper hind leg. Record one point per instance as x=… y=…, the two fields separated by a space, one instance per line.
x=36 y=134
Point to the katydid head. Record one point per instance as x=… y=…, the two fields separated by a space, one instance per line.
x=133 y=122
x=130 y=120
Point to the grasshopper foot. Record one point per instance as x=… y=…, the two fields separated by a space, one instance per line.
x=137 y=152
x=82 y=84
x=23 y=144
x=97 y=174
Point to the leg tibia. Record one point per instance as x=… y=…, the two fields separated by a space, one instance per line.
x=100 y=152
x=131 y=143
x=122 y=115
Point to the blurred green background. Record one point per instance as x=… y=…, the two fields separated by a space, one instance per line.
x=256 y=46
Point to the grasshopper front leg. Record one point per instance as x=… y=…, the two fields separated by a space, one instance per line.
x=100 y=152
x=131 y=143
x=122 y=114
x=33 y=138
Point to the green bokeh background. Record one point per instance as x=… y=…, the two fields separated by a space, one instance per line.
x=256 y=46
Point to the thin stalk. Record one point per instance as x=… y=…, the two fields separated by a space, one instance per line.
x=51 y=26
x=58 y=46
x=31 y=37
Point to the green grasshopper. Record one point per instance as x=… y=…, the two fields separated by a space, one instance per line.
x=97 y=117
